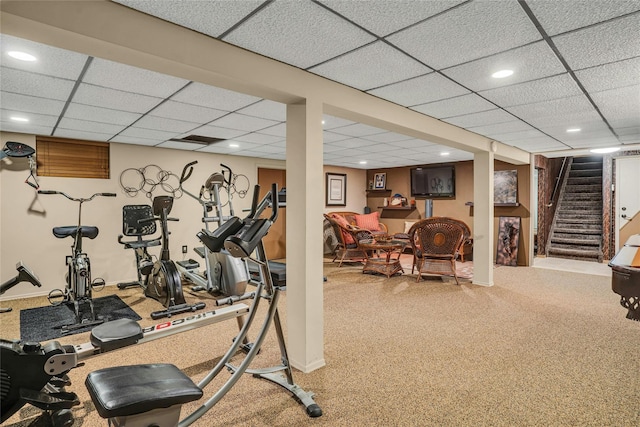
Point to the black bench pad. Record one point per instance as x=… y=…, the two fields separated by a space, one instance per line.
x=129 y=390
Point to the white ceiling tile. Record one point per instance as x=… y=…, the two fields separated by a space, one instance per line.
x=51 y=61
x=131 y=79
x=137 y=132
x=623 y=123
x=529 y=62
x=501 y=128
x=378 y=17
x=465 y=104
x=30 y=104
x=44 y=120
x=218 y=148
x=561 y=86
x=556 y=107
x=481 y=118
x=258 y=138
x=277 y=130
x=135 y=140
x=607 y=42
x=330 y=122
x=619 y=104
x=164 y=124
x=328 y=136
x=603 y=141
x=539 y=145
x=298 y=33
x=98 y=114
x=559 y=16
x=570 y=120
x=266 y=109
x=214 y=132
x=330 y=148
x=413 y=143
x=420 y=90
x=610 y=76
x=114 y=99
x=197 y=15
x=36 y=129
x=358 y=129
x=375 y=65
x=352 y=143
x=243 y=122
x=26 y=83
x=179 y=145
x=186 y=112
x=213 y=97
x=597 y=127
x=81 y=134
x=88 y=126
x=521 y=135
x=476 y=29
x=387 y=137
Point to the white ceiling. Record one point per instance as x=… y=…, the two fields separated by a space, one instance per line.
x=576 y=63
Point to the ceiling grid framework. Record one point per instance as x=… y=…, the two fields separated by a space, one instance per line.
x=576 y=64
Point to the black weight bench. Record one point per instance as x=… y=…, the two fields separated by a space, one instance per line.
x=141 y=395
x=278 y=272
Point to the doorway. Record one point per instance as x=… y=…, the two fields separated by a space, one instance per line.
x=275 y=243
x=627 y=199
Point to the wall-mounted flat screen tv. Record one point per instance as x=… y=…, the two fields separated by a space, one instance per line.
x=433 y=181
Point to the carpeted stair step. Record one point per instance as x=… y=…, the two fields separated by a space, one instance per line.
x=582 y=196
x=586 y=173
x=581 y=230
x=579 y=208
x=575 y=252
x=583 y=188
x=569 y=222
x=584 y=180
x=581 y=242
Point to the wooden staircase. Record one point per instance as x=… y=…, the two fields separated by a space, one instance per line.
x=576 y=232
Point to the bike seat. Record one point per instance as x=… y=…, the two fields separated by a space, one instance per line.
x=71 y=230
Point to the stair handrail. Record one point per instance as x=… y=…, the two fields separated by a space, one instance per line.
x=552 y=199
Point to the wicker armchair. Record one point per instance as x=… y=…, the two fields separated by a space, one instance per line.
x=436 y=243
x=353 y=218
x=348 y=237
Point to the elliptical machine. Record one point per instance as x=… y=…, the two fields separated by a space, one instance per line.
x=224 y=274
x=163 y=282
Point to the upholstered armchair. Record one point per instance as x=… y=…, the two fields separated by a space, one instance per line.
x=436 y=244
x=348 y=248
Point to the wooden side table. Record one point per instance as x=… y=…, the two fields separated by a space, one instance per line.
x=384 y=263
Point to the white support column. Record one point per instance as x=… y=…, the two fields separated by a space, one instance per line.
x=483 y=228
x=305 y=322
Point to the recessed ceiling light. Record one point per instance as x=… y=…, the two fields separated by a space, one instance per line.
x=234 y=145
x=22 y=56
x=19 y=119
x=605 y=150
x=502 y=74
x=363 y=162
x=323 y=122
x=571 y=130
x=444 y=153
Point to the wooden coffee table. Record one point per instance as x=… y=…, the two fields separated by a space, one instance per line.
x=384 y=263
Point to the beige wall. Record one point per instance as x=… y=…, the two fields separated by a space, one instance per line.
x=26 y=218
x=398 y=181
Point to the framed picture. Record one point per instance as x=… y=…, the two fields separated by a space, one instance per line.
x=508 y=240
x=380 y=181
x=336 y=189
x=505 y=187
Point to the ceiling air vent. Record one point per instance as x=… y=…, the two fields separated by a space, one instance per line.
x=199 y=139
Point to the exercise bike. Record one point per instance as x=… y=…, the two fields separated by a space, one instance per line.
x=223 y=274
x=161 y=281
x=146 y=395
x=24 y=275
x=79 y=284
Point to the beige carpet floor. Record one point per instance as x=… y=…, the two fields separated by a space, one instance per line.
x=539 y=348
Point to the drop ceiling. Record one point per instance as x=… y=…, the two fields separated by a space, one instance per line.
x=576 y=64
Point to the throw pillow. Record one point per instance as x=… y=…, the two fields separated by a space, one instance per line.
x=408 y=225
x=369 y=222
x=347 y=237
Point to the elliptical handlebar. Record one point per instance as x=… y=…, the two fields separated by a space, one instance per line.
x=227 y=180
x=186 y=174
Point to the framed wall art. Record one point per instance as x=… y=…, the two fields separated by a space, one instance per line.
x=336 y=189
x=380 y=181
x=508 y=240
x=505 y=187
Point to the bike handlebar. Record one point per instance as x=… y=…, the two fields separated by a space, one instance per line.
x=76 y=199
